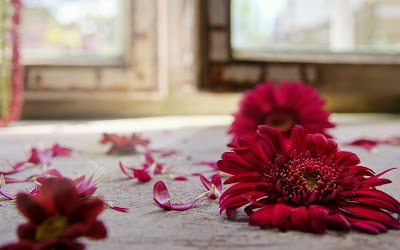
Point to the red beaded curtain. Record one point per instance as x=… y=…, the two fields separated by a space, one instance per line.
x=11 y=71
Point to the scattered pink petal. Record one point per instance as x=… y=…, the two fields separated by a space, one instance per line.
x=121 y=209
x=369 y=144
x=211 y=164
x=40 y=156
x=17 y=167
x=148 y=170
x=151 y=163
x=215 y=185
x=365 y=143
x=122 y=167
x=124 y=144
x=54 y=172
x=143 y=175
x=61 y=151
x=5 y=194
x=17 y=180
x=180 y=178
x=162 y=198
x=86 y=186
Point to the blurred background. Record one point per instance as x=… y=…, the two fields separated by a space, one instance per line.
x=129 y=58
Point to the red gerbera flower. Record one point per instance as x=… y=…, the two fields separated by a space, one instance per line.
x=124 y=144
x=281 y=107
x=57 y=215
x=309 y=185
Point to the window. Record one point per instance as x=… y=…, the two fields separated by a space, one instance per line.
x=160 y=54
x=73 y=47
x=350 y=26
x=71 y=30
x=348 y=49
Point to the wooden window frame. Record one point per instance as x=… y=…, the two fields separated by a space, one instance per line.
x=350 y=83
x=137 y=71
x=88 y=89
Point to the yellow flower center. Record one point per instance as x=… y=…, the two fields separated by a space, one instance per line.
x=311 y=182
x=51 y=228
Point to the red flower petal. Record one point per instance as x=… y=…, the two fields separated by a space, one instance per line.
x=121 y=166
x=162 y=198
x=318 y=217
x=161 y=194
x=61 y=151
x=40 y=156
x=281 y=217
x=180 y=178
x=31 y=209
x=17 y=167
x=365 y=143
x=121 y=209
x=262 y=217
x=143 y=175
x=61 y=191
x=26 y=231
x=301 y=219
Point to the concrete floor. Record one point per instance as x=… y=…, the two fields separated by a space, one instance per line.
x=147 y=226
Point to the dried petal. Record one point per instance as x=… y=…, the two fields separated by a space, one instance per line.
x=162 y=198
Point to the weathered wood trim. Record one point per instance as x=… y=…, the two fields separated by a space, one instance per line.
x=136 y=71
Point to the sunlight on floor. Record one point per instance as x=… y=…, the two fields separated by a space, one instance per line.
x=114 y=126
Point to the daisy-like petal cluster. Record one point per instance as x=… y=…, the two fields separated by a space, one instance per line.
x=281 y=107
x=307 y=184
x=57 y=216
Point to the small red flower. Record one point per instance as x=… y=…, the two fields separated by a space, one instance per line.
x=57 y=216
x=84 y=186
x=281 y=107
x=308 y=185
x=124 y=144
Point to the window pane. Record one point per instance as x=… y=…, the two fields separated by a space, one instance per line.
x=345 y=26
x=72 y=28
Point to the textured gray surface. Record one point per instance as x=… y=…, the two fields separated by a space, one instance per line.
x=147 y=226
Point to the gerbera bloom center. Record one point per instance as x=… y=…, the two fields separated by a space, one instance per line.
x=281 y=119
x=302 y=179
x=51 y=228
x=311 y=181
